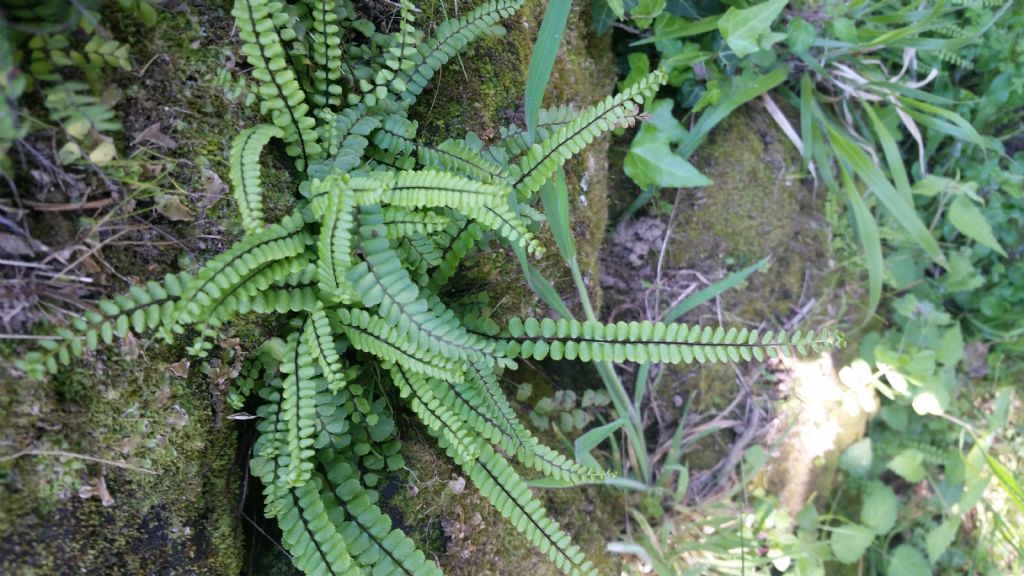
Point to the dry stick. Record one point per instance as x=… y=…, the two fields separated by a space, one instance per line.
x=62 y=454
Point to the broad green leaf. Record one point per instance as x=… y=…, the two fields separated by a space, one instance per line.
x=901 y=211
x=646 y=11
x=856 y=459
x=542 y=60
x=968 y=219
x=801 y=35
x=850 y=541
x=879 y=508
x=652 y=162
x=907 y=561
x=908 y=464
x=940 y=538
x=617 y=7
x=744 y=28
x=639 y=68
x=951 y=346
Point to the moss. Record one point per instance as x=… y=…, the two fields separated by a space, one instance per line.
x=757 y=207
x=483 y=91
x=452 y=522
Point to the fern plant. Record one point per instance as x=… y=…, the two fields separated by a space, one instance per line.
x=381 y=225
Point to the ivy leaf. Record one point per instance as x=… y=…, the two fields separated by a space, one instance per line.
x=940 y=538
x=617 y=7
x=651 y=161
x=850 y=541
x=879 y=508
x=907 y=561
x=908 y=464
x=742 y=29
x=646 y=11
x=801 y=35
x=968 y=219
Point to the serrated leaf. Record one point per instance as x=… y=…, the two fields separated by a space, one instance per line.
x=940 y=538
x=968 y=219
x=850 y=541
x=879 y=508
x=908 y=464
x=907 y=561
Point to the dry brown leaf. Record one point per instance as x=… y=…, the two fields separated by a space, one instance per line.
x=153 y=135
x=179 y=416
x=179 y=369
x=172 y=208
x=457 y=485
x=213 y=189
x=98 y=488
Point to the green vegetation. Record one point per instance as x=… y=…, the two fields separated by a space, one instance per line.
x=893 y=109
x=853 y=165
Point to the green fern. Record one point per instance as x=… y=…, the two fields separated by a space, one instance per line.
x=361 y=264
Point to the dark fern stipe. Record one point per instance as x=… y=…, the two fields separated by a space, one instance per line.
x=381 y=227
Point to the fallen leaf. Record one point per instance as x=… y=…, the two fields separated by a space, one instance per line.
x=179 y=369
x=173 y=209
x=153 y=135
x=241 y=416
x=457 y=485
x=128 y=444
x=213 y=189
x=97 y=488
x=12 y=245
x=103 y=153
x=179 y=417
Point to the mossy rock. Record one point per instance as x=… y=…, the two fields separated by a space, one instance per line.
x=483 y=91
x=757 y=206
x=128 y=409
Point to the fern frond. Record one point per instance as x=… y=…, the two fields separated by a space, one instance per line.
x=457 y=242
x=336 y=211
x=432 y=189
x=485 y=408
x=381 y=281
x=380 y=548
x=618 y=111
x=321 y=342
x=508 y=225
x=435 y=414
x=225 y=272
x=404 y=223
x=298 y=404
x=325 y=41
x=644 y=342
x=450 y=38
x=372 y=334
x=506 y=490
x=316 y=545
x=260 y=24
x=143 y=309
x=245 y=173
x=525 y=446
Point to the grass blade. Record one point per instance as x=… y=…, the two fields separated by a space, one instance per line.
x=542 y=60
x=882 y=188
x=870 y=242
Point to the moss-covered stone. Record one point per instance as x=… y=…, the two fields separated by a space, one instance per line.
x=483 y=91
x=125 y=407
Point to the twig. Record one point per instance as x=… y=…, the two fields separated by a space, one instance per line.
x=62 y=454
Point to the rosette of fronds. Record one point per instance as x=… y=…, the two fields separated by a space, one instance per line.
x=382 y=223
